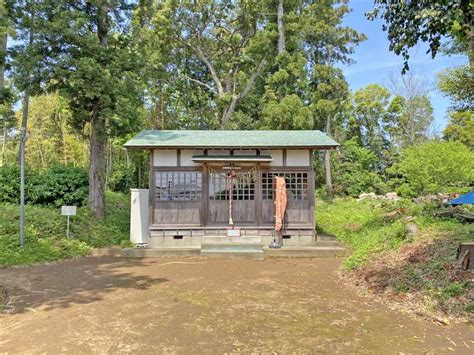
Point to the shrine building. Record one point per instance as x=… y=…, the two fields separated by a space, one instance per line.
x=219 y=188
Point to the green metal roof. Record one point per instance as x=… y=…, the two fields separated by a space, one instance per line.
x=231 y=139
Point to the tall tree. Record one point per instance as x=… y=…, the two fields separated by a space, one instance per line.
x=226 y=38
x=408 y=22
x=408 y=120
x=281 y=29
x=458 y=84
x=51 y=140
x=370 y=109
x=325 y=39
x=25 y=14
x=86 y=55
x=7 y=97
x=410 y=114
x=329 y=101
x=461 y=128
x=315 y=38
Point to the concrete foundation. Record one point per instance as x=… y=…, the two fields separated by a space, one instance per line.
x=253 y=247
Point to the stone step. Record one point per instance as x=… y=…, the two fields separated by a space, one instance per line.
x=232 y=247
x=305 y=252
x=226 y=253
x=327 y=243
x=159 y=252
x=231 y=240
x=248 y=246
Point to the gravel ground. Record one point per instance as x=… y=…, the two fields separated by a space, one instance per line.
x=198 y=305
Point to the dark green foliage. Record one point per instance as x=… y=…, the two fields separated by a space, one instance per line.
x=10 y=183
x=122 y=178
x=355 y=167
x=458 y=85
x=57 y=186
x=46 y=231
x=410 y=22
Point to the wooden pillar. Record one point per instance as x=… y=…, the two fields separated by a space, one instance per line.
x=311 y=187
x=151 y=191
x=258 y=195
x=205 y=195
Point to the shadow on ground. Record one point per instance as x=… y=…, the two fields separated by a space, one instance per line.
x=199 y=305
x=71 y=282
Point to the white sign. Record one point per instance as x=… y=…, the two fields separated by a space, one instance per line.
x=68 y=210
x=233 y=232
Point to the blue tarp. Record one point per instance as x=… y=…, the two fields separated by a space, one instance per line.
x=466 y=199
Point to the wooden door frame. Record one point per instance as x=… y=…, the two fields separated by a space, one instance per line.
x=257 y=206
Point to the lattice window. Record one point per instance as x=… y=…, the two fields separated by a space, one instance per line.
x=178 y=185
x=296 y=185
x=243 y=187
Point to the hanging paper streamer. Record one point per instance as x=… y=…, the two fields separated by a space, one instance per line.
x=280 y=202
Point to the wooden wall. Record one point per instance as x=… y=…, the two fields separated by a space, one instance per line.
x=253 y=213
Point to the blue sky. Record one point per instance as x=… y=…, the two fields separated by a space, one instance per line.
x=375 y=63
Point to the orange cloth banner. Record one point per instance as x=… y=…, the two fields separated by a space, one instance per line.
x=280 y=202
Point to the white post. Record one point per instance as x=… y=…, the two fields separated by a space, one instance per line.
x=139 y=216
x=67 y=227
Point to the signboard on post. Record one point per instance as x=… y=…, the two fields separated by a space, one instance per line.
x=68 y=211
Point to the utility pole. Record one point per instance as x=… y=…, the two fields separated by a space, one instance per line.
x=26 y=100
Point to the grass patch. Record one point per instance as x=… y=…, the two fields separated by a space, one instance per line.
x=361 y=227
x=45 y=231
x=387 y=259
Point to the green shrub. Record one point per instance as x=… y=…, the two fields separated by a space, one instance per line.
x=10 y=183
x=122 y=178
x=57 y=186
x=434 y=167
x=61 y=185
x=356 y=173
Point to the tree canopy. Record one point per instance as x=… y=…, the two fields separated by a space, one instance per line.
x=410 y=22
x=100 y=71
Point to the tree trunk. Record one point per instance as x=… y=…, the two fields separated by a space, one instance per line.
x=4 y=146
x=3 y=49
x=98 y=136
x=3 y=52
x=38 y=146
x=327 y=162
x=281 y=30
x=98 y=144
x=470 y=48
x=159 y=119
x=229 y=111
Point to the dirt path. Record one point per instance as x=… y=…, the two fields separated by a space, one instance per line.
x=193 y=305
